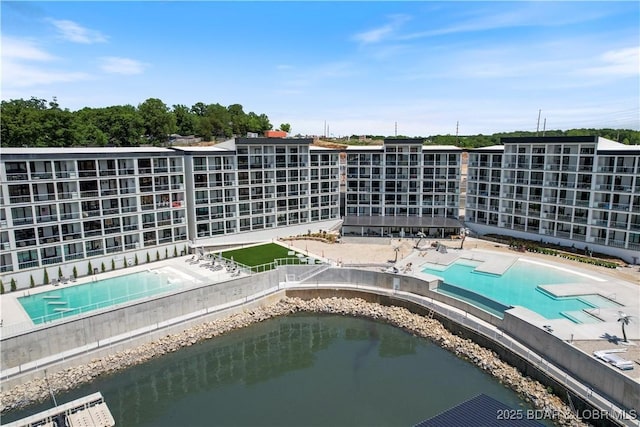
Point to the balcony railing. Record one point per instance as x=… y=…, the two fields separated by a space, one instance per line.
x=70 y=257
x=95 y=252
x=52 y=260
x=27 y=264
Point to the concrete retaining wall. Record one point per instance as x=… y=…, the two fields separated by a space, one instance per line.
x=404 y=283
x=65 y=335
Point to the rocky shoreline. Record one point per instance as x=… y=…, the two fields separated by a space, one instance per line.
x=548 y=404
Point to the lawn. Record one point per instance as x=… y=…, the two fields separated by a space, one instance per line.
x=258 y=255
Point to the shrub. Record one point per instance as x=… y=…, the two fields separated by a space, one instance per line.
x=89 y=269
x=14 y=286
x=102 y=267
x=157 y=255
x=46 y=277
x=59 y=272
x=32 y=282
x=175 y=251
x=166 y=253
x=113 y=264
x=148 y=257
x=75 y=272
x=135 y=260
x=1 y=287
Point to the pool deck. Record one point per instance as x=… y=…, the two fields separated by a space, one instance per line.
x=182 y=271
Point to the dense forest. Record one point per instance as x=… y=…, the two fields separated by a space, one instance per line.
x=41 y=123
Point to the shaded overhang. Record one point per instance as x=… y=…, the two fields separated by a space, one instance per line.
x=401 y=221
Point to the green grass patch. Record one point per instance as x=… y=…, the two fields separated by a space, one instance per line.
x=258 y=255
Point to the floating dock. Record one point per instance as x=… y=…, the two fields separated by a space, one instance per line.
x=88 y=411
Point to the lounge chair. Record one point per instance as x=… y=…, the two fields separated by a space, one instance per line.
x=612 y=358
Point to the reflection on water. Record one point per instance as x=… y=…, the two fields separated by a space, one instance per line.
x=295 y=370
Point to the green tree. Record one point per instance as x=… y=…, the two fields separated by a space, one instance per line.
x=157 y=255
x=32 y=282
x=59 y=272
x=102 y=267
x=14 y=285
x=113 y=264
x=285 y=127
x=75 y=272
x=185 y=120
x=175 y=251
x=148 y=258
x=46 y=277
x=89 y=269
x=158 y=121
x=135 y=260
x=1 y=287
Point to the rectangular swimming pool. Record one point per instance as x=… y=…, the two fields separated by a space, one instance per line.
x=518 y=286
x=72 y=300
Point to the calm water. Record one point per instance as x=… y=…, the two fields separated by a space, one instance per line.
x=302 y=370
x=70 y=300
x=518 y=286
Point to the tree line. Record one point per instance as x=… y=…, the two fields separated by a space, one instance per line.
x=40 y=123
x=624 y=136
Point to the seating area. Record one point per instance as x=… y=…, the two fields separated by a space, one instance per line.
x=214 y=263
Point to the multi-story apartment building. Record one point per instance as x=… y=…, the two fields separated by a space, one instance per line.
x=256 y=184
x=62 y=208
x=581 y=191
x=401 y=188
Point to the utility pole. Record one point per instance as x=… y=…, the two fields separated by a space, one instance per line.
x=538 y=125
x=544 y=126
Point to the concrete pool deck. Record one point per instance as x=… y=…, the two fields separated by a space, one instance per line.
x=181 y=270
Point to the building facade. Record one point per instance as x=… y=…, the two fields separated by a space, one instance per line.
x=62 y=206
x=256 y=184
x=576 y=191
x=103 y=208
x=402 y=188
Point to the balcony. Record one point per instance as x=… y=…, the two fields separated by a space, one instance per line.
x=27 y=264
x=19 y=199
x=42 y=175
x=46 y=218
x=17 y=176
x=95 y=252
x=22 y=221
x=70 y=257
x=52 y=260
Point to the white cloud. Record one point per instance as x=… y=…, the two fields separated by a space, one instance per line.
x=17 y=74
x=117 y=65
x=618 y=63
x=19 y=70
x=23 y=50
x=76 y=33
x=379 y=34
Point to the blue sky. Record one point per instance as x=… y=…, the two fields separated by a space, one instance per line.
x=360 y=67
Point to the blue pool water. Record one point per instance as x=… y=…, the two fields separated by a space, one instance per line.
x=72 y=300
x=518 y=286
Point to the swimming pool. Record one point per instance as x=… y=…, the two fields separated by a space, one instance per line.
x=72 y=300
x=518 y=286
